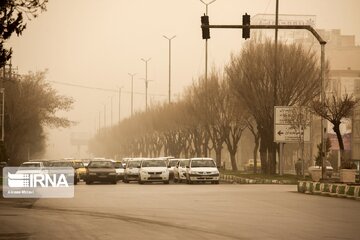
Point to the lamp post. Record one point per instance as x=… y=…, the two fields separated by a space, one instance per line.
x=146 y=81
x=120 y=103
x=169 y=39
x=104 y=115
x=132 y=92
x=206 y=41
x=111 y=111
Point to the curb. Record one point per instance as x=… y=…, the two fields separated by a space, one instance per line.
x=241 y=180
x=341 y=190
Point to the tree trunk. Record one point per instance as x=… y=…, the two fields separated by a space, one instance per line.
x=218 y=156
x=336 y=129
x=233 y=160
x=256 y=148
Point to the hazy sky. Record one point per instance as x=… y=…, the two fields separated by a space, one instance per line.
x=97 y=43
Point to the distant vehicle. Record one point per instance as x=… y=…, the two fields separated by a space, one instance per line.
x=131 y=172
x=31 y=167
x=167 y=159
x=329 y=168
x=120 y=170
x=180 y=170
x=79 y=168
x=125 y=161
x=202 y=170
x=85 y=161
x=153 y=170
x=66 y=163
x=249 y=166
x=171 y=165
x=100 y=171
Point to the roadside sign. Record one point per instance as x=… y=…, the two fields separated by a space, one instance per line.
x=283 y=129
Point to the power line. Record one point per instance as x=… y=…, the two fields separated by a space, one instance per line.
x=101 y=89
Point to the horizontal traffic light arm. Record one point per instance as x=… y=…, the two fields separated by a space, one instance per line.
x=306 y=27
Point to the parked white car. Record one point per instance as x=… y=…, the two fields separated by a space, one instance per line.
x=180 y=170
x=131 y=172
x=202 y=170
x=153 y=170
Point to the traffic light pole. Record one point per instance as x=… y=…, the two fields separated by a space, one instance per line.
x=322 y=66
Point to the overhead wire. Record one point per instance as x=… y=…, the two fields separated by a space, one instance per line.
x=102 y=89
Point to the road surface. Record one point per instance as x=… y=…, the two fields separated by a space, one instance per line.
x=180 y=211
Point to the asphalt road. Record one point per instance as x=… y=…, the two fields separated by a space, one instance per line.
x=180 y=211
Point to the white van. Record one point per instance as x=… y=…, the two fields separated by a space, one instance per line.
x=202 y=170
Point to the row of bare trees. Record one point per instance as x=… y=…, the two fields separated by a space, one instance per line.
x=213 y=114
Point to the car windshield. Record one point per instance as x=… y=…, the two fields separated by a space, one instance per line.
x=132 y=164
x=78 y=164
x=61 y=164
x=29 y=165
x=172 y=163
x=100 y=164
x=184 y=163
x=118 y=165
x=154 y=163
x=203 y=163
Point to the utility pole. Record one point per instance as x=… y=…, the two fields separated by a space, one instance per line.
x=206 y=41
x=99 y=120
x=132 y=92
x=169 y=64
x=146 y=82
x=275 y=85
x=111 y=111
x=104 y=116
x=120 y=103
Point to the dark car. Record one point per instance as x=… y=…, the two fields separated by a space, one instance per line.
x=101 y=171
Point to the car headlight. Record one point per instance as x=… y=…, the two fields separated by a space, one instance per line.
x=112 y=173
x=193 y=172
x=92 y=173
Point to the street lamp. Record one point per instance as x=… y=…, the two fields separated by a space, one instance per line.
x=120 y=103
x=206 y=41
x=169 y=64
x=132 y=92
x=146 y=81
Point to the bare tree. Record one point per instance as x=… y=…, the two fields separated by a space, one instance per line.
x=334 y=109
x=251 y=77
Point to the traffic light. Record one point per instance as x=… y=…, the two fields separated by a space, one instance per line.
x=246 y=26
x=205 y=31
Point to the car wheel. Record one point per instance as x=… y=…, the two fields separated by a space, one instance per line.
x=88 y=182
x=166 y=182
x=114 y=182
x=140 y=182
x=175 y=180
